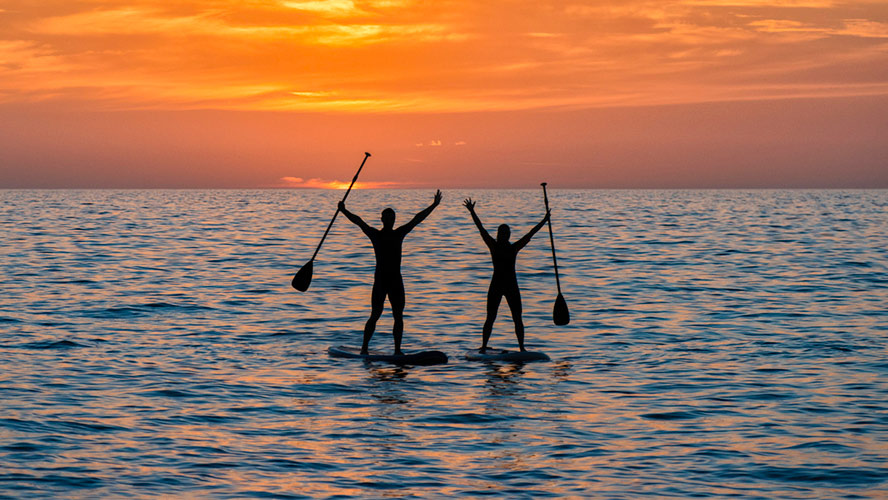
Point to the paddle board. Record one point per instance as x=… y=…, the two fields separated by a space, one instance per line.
x=505 y=355
x=416 y=358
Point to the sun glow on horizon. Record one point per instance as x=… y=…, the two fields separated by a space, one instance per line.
x=315 y=183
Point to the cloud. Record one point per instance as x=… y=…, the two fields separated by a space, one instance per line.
x=316 y=183
x=784 y=26
x=345 y=8
x=411 y=56
x=814 y=4
x=329 y=7
x=864 y=28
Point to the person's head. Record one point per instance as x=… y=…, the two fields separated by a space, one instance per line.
x=502 y=233
x=388 y=218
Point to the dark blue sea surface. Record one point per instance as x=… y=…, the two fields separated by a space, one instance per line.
x=722 y=344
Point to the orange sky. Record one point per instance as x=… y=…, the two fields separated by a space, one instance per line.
x=215 y=93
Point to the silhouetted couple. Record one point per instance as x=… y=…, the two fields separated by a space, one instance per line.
x=387 y=281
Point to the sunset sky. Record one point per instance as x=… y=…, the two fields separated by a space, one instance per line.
x=451 y=93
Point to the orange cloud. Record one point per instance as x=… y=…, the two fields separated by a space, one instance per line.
x=864 y=28
x=455 y=56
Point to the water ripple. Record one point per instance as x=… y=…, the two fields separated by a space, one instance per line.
x=722 y=344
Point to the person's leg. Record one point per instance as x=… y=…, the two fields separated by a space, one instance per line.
x=397 y=300
x=494 y=296
x=377 y=301
x=513 y=297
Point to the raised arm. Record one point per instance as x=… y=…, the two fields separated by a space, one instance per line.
x=355 y=219
x=470 y=206
x=406 y=228
x=526 y=238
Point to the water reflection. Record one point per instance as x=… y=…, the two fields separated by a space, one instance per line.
x=387 y=388
x=725 y=338
x=504 y=389
x=504 y=380
x=561 y=370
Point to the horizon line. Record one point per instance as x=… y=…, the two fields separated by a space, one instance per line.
x=549 y=186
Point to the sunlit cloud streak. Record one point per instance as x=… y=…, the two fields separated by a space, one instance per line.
x=454 y=56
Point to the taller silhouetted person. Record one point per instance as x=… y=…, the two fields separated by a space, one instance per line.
x=387 y=280
x=505 y=280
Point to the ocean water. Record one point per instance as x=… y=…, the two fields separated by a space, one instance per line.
x=726 y=344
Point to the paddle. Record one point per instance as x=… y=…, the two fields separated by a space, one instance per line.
x=303 y=278
x=560 y=314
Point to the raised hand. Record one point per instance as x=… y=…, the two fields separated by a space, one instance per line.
x=438 y=197
x=469 y=204
x=341 y=206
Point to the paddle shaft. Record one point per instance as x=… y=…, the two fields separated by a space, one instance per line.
x=355 y=178
x=552 y=239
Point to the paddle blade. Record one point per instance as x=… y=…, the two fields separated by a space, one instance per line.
x=560 y=314
x=303 y=277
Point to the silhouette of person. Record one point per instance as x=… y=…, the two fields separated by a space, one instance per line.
x=505 y=280
x=387 y=280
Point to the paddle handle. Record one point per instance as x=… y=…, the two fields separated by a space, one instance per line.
x=551 y=239
x=355 y=178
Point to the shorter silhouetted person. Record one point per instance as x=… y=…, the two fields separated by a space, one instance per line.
x=505 y=280
x=387 y=280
